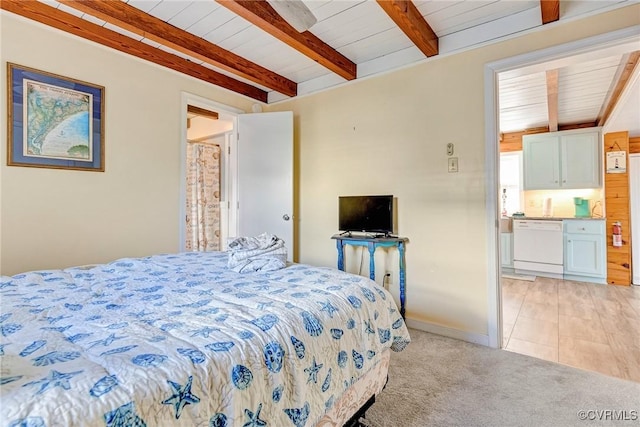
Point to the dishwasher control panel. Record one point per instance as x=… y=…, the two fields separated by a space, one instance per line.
x=537 y=224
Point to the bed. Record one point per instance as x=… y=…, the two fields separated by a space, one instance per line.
x=180 y=339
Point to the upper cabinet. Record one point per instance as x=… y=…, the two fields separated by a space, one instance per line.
x=559 y=160
x=541 y=161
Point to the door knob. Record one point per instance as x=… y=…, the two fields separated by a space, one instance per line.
x=285 y=217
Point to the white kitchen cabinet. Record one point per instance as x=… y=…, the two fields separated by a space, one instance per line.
x=541 y=161
x=506 y=250
x=585 y=250
x=558 y=160
x=580 y=160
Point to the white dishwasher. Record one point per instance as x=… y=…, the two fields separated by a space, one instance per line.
x=538 y=247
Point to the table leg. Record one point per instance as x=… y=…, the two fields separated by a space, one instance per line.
x=402 y=276
x=372 y=264
x=340 y=247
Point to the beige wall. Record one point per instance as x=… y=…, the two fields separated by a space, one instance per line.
x=388 y=135
x=381 y=135
x=57 y=218
x=204 y=127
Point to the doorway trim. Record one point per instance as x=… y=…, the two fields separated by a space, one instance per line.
x=491 y=70
x=230 y=166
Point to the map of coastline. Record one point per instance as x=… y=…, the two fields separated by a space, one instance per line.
x=57 y=121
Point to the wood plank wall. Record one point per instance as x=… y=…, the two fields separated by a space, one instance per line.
x=512 y=141
x=634 y=145
x=617 y=205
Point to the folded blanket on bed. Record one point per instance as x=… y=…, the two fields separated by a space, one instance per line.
x=265 y=252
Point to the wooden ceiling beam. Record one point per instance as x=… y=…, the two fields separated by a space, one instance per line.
x=56 y=18
x=409 y=19
x=550 y=10
x=626 y=68
x=132 y=19
x=262 y=15
x=202 y=112
x=552 y=99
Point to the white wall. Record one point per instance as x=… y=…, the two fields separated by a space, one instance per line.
x=388 y=135
x=634 y=181
x=624 y=116
x=56 y=218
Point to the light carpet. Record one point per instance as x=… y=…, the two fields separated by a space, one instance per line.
x=439 y=381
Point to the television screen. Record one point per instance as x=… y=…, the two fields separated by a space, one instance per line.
x=372 y=214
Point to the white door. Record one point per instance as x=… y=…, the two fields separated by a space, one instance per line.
x=634 y=177
x=265 y=176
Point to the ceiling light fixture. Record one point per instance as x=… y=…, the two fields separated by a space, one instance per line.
x=295 y=12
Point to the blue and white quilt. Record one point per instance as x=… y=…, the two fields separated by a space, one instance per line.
x=183 y=340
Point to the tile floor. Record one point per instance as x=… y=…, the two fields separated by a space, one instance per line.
x=585 y=325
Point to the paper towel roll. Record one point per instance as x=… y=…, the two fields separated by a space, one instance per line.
x=547 y=207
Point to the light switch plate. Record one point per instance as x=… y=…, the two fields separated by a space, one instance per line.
x=453 y=164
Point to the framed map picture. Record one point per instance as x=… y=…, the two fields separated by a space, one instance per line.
x=54 y=121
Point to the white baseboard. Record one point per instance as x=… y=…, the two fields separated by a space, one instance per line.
x=448 y=332
x=538 y=269
x=599 y=280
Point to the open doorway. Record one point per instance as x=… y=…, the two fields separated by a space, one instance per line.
x=206 y=219
x=256 y=173
x=208 y=193
x=566 y=334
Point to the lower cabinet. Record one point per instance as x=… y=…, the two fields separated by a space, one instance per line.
x=585 y=250
x=506 y=250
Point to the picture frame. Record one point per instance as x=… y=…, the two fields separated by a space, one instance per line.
x=617 y=162
x=54 y=121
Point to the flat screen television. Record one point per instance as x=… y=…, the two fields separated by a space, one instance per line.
x=367 y=214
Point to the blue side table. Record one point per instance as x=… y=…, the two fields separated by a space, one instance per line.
x=372 y=243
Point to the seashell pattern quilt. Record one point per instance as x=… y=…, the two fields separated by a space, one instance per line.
x=180 y=339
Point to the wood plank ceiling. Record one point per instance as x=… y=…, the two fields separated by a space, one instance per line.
x=576 y=96
x=258 y=12
x=245 y=46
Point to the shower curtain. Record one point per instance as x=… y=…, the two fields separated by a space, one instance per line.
x=203 y=197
